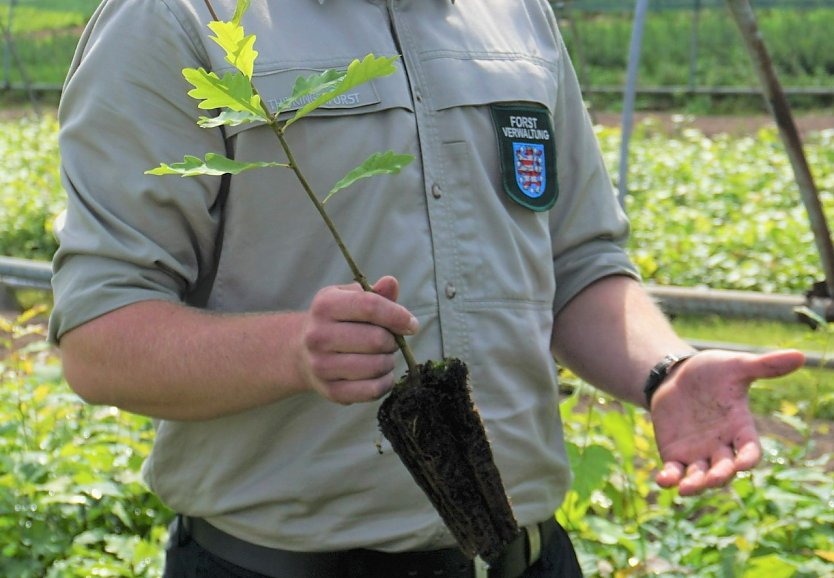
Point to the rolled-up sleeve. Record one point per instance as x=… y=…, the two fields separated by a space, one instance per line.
x=589 y=229
x=131 y=237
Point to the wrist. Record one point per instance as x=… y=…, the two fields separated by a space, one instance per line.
x=660 y=373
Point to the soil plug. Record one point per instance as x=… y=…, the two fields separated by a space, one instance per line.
x=435 y=428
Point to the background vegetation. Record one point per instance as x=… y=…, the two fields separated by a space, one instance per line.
x=798 y=41
x=719 y=211
x=797 y=34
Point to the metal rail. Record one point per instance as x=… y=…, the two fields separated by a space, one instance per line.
x=812 y=358
x=739 y=304
x=683 y=90
x=23 y=273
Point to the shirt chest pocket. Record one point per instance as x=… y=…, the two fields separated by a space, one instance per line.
x=478 y=160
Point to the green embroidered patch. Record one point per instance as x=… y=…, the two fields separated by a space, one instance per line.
x=527 y=149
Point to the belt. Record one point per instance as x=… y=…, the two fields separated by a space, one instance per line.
x=521 y=553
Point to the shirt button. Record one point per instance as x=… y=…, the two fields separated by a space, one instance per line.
x=436 y=191
x=418 y=96
x=451 y=291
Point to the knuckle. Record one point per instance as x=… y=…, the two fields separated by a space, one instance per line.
x=320 y=365
x=381 y=340
x=316 y=338
x=384 y=386
x=367 y=305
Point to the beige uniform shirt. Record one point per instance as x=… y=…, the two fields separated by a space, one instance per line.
x=481 y=267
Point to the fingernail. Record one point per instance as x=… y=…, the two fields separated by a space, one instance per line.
x=413 y=325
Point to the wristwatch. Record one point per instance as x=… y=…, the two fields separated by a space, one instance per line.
x=661 y=371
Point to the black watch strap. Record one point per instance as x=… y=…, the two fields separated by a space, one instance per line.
x=661 y=371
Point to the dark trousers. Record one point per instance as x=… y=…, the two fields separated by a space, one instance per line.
x=187 y=559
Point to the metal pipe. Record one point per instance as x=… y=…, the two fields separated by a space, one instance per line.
x=812 y=358
x=7 y=59
x=740 y=304
x=25 y=273
x=775 y=97
x=678 y=89
x=693 y=45
x=630 y=91
x=674 y=300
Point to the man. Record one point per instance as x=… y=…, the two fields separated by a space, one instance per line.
x=221 y=308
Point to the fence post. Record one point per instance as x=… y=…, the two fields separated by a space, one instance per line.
x=778 y=104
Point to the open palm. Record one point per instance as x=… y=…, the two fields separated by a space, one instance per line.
x=703 y=425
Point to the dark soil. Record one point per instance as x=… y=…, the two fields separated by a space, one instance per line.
x=435 y=429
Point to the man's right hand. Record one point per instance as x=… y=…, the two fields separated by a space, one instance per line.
x=347 y=349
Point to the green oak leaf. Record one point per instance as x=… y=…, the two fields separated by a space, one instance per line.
x=309 y=85
x=240 y=49
x=359 y=72
x=387 y=163
x=229 y=118
x=240 y=10
x=233 y=91
x=213 y=165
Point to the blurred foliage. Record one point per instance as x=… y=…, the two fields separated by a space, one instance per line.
x=30 y=188
x=722 y=212
x=798 y=41
x=776 y=521
x=72 y=504
x=71 y=500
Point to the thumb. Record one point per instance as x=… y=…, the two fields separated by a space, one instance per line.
x=387 y=287
x=775 y=363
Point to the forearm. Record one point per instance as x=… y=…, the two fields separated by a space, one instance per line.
x=612 y=334
x=173 y=362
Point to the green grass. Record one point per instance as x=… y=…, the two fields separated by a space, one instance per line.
x=44 y=15
x=45 y=34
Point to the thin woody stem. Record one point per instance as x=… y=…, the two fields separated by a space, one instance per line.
x=410 y=360
x=360 y=278
x=211 y=10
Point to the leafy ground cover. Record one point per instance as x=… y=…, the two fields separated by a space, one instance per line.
x=72 y=504
x=30 y=189
x=71 y=500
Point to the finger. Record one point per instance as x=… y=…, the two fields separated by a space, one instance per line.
x=359 y=391
x=748 y=452
x=695 y=480
x=365 y=307
x=349 y=338
x=351 y=367
x=378 y=310
x=722 y=467
x=388 y=287
x=774 y=363
x=671 y=475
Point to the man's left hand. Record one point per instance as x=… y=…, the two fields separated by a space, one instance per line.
x=703 y=425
